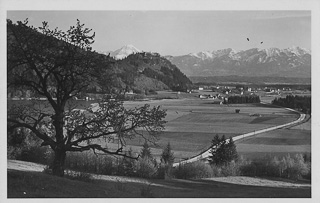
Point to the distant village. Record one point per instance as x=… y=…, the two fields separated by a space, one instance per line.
x=219 y=93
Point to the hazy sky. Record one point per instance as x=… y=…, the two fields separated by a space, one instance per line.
x=183 y=32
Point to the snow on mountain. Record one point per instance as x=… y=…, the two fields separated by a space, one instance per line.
x=202 y=55
x=289 y=62
x=123 y=52
x=297 y=51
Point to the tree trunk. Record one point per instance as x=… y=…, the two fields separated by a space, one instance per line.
x=59 y=149
x=58 y=162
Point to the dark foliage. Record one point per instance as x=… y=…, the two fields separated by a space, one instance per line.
x=167 y=159
x=242 y=99
x=301 y=103
x=154 y=66
x=223 y=151
x=145 y=151
x=167 y=156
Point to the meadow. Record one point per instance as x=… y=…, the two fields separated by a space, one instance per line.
x=193 y=122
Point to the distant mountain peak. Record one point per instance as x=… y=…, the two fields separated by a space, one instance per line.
x=123 y=52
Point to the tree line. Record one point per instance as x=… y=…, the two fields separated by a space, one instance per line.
x=301 y=103
x=242 y=99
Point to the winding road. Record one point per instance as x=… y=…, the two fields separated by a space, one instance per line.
x=207 y=153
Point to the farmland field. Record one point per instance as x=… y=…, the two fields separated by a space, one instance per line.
x=291 y=140
x=192 y=123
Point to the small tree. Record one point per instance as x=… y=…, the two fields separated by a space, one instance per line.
x=59 y=65
x=167 y=156
x=167 y=159
x=223 y=151
x=145 y=151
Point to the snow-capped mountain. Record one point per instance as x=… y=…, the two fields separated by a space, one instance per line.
x=290 y=62
x=122 y=52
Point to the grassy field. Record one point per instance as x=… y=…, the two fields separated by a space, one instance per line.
x=192 y=122
x=291 y=140
x=26 y=184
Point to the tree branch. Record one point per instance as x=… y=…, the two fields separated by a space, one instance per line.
x=42 y=136
x=98 y=147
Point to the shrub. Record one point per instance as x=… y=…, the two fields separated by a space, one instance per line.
x=80 y=176
x=230 y=169
x=36 y=154
x=151 y=92
x=287 y=167
x=90 y=163
x=195 y=170
x=146 y=168
x=296 y=167
x=167 y=159
x=47 y=170
x=25 y=146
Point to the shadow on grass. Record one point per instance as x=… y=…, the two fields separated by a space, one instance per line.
x=36 y=184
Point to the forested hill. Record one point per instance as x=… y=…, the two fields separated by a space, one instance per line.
x=158 y=69
x=137 y=72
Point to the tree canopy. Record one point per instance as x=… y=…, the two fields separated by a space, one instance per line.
x=59 y=65
x=223 y=151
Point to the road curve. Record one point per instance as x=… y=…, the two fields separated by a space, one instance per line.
x=207 y=153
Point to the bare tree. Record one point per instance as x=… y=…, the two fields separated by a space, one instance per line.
x=59 y=65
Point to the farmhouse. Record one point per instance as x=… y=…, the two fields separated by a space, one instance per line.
x=226 y=91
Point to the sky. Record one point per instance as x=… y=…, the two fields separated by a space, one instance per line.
x=183 y=32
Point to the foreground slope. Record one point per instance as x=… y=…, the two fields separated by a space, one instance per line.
x=22 y=183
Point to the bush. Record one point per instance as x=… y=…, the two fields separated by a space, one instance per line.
x=42 y=155
x=195 y=170
x=25 y=146
x=230 y=169
x=90 y=163
x=287 y=167
x=151 y=92
x=80 y=176
x=296 y=167
x=146 y=168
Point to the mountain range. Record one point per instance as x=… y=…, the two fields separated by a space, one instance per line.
x=271 y=62
x=274 y=62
